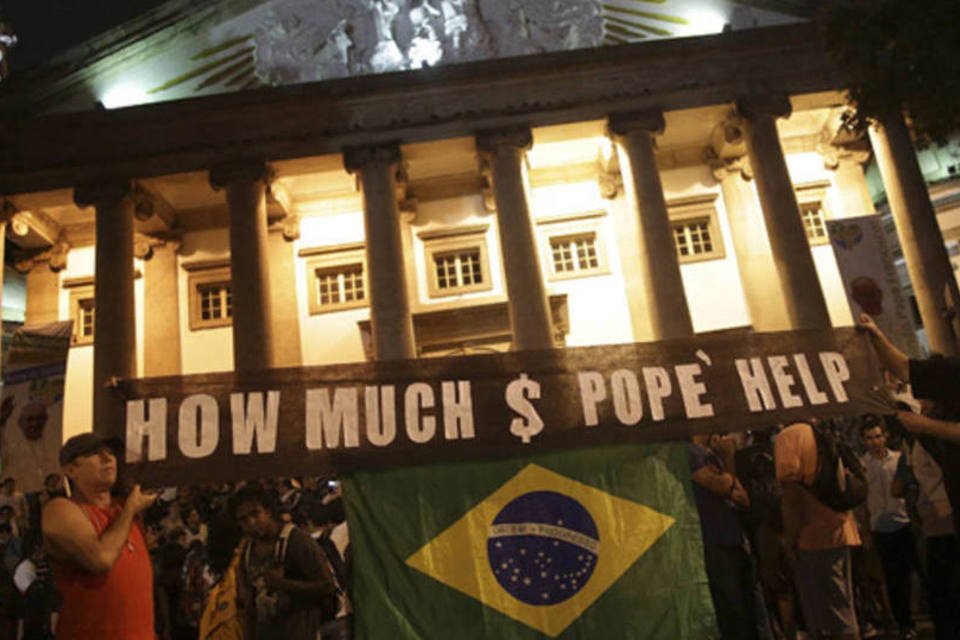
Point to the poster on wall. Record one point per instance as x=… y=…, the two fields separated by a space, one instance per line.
x=31 y=412
x=870 y=278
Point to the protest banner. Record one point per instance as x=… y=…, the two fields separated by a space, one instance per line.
x=345 y=418
x=870 y=278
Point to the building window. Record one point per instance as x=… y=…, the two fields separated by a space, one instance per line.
x=336 y=277
x=572 y=245
x=813 y=221
x=574 y=253
x=456 y=260
x=458 y=269
x=339 y=286
x=695 y=229
x=85 y=319
x=814 y=210
x=82 y=313
x=211 y=299
x=693 y=238
x=215 y=301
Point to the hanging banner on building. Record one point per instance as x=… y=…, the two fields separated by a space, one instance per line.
x=31 y=412
x=334 y=419
x=870 y=278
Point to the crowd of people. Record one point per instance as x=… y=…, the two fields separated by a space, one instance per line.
x=822 y=525
x=193 y=539
x=817 y=526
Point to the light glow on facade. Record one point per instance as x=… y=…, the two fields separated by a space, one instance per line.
x=123 y=95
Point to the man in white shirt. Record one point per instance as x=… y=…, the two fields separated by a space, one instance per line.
x=889 y=523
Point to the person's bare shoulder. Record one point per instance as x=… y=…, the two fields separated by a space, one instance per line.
x=62 y=516
x=58 y=505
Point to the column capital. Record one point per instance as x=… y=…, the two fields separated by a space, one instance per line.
x=104 y=191
x=842 y=142
x=728 y=140
x=230 y=171
x=490 y=141
x=627 y=122
x=730 y=166
x=288 y=226
x=833 y=155
x=146 y=245
x=775 y=105
x=55 y=257
x=356 y=159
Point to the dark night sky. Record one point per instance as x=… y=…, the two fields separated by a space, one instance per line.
x=47 y=27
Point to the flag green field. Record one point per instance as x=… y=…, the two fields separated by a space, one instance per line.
x=598 y=543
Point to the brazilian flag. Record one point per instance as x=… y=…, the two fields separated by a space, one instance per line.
x=596 y=543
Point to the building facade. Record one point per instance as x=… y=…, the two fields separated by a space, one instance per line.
x=641 y=192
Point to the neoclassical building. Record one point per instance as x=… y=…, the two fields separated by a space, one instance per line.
x=244 y=185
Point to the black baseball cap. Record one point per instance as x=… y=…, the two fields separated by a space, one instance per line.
x=85 y=444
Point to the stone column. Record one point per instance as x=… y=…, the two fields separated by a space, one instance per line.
x=918 y=231
x=667 y=311
x=114 y=349
x=161 y=291
x=806 y=306
x=758 y=272
x=390 y=317
x=286 y=317
x=245 y=184
x=528 y=306
x=43 y=294
x=847 y=165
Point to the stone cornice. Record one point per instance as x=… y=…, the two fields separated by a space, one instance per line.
x=60 y=151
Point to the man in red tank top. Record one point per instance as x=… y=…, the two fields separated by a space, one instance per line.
x=101 y=563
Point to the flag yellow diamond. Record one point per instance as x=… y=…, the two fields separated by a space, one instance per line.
x=542 y=548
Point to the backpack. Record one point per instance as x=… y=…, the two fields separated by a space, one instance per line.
x=328 y=606
x=757 y=471
x=334 y=559
x=841 y=480
x=220 y=619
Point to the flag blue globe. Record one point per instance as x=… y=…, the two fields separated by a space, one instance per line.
x=543 y=547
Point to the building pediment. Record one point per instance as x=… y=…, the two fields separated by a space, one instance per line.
x=188 y=49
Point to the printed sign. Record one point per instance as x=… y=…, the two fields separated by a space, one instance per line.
x=31 y=413
x=870 y=278
x=325 y=420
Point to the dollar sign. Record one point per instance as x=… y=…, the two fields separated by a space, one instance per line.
x=518 y=396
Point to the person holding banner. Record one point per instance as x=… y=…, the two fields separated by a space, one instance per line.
x=936 y=379
x=101 y=563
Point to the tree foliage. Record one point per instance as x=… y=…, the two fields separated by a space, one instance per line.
x=899 y=55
